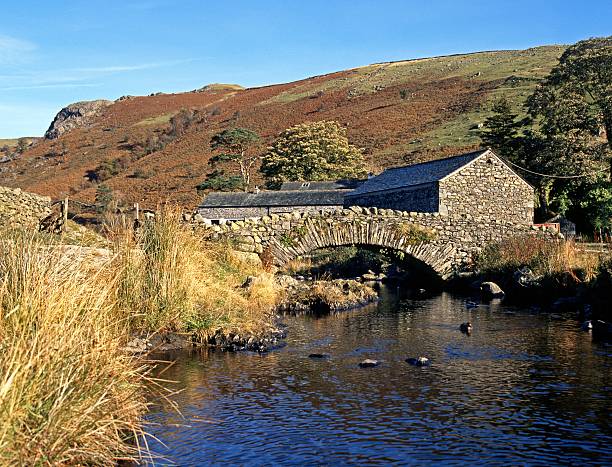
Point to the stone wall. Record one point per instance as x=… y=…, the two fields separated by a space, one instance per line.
x=257 y=211
x=22 y=209
x=287 y=236
x=487 y=190
x=420 y=199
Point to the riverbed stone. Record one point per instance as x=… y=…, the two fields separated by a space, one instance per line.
x=319 y=356
x=491 y=290
x=368 y=363
x=419 y=361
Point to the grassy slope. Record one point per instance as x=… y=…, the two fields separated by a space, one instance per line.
x=12 y=142
x=444 y=98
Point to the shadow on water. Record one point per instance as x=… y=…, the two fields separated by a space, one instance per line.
x=521 y=389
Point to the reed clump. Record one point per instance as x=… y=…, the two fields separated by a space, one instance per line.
x=551 y=259
x=172 y=279
x=68 y=394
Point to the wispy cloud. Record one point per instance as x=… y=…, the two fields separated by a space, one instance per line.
x=13 y=50
x=50 y=86
x=135 y=67
x=80 y=77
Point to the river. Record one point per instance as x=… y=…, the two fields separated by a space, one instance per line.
x=522 y=389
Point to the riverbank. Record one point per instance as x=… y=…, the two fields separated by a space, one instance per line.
x=556 y=276
x=69 y=392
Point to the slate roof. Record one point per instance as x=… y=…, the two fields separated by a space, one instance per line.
x=327 y=185
x=417 y=174
x=275 y=198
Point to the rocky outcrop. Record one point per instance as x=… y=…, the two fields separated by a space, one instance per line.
x=74 y=116
x=20 y=209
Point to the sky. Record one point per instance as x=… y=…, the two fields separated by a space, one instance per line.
x=53 y=53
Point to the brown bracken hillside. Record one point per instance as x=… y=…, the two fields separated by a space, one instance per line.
x=400 y=113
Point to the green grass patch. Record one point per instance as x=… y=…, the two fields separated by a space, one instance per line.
x=530 y=64
x=157 y=120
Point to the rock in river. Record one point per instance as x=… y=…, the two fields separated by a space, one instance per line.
x=367 y=363
x=420 y=361
x=319 y=355
x=491 y=290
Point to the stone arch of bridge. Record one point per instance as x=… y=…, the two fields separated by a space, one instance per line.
x=440 y=257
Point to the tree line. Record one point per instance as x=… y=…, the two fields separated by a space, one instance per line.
x=562 y=146
x=312 y=151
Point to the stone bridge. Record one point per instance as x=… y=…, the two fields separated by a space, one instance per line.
x=443 y=243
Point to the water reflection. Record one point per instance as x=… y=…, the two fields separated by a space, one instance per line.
x=521 y=389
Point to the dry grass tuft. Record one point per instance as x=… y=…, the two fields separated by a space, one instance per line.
x=174 y=280
x=543 y=256
x=68 y=395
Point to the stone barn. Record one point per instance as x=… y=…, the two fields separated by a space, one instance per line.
x=234 y=206
x=476 y=185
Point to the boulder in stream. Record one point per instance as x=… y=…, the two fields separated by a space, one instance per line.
x=319 y=356
x=368 y=363
x=419 y=361
x=491 y=290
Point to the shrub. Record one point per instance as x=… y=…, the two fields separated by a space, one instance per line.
x=180 y=122
x=108 y=169
x=218 y=181
x=142 y=173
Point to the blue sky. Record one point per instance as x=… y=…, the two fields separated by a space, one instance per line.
x=56 y=52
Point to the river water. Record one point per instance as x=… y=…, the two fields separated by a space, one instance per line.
x=522 y=389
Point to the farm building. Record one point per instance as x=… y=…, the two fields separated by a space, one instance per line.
x=474 y=185
x=233 y=206
x=566 y=227
x=325 y=185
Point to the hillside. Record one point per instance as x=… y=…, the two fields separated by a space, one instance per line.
x=399 y=112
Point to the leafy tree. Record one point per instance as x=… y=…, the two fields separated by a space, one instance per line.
x=218 y=181
x=597 y=204
x=313 y=151
x=22 y=145
x=566 y=132
x=235 y=144
x=573 y=107
x=501 y=130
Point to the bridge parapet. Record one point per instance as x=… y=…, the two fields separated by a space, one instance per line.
x=445 y=243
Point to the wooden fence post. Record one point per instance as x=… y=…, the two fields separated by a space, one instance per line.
x=64 y=214
x=66 y=209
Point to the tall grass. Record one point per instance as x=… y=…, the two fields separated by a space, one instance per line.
x=551 y=259
x=68 y=395
x=173 y=280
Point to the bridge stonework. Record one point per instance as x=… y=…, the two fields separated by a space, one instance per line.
x=446 y=244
